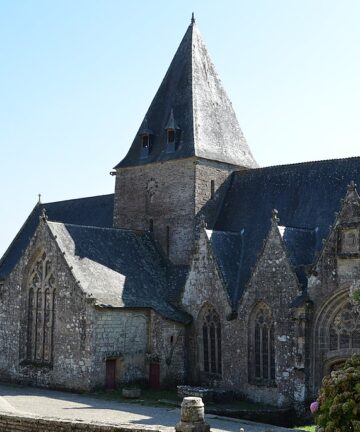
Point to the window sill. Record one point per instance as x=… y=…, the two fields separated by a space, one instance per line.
x=36 y=364
x=263 y=383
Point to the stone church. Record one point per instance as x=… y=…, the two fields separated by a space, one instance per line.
x=201 y=268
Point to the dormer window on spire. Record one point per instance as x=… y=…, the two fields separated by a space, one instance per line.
x=171 y=133
x=145 y=138
x=145 y=141
x=170 y=136
x=145 y=145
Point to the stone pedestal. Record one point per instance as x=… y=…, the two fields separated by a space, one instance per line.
x=192 y=416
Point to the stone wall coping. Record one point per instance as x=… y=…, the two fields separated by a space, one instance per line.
x=93 y=426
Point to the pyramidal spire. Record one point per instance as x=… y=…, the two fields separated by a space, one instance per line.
x=192 y=93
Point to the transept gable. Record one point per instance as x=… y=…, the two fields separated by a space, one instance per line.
x=273 y=276
x=44 y=247
x=205 y=282
x=339 y=260
x=93 y=211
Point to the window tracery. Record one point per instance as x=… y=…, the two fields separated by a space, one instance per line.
x=40 y=321
x=211 y=337
x=262 y=357
x=345 y=329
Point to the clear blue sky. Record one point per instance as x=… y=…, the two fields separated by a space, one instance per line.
x=76 y=78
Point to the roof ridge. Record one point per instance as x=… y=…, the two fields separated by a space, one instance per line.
x=97 y=227
x=76 y=199
x=320 y=161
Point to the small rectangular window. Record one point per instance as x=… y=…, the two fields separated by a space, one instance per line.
x=145 y=141
x=212 y=189
x=170 y=141
x=145 y=145
x=171 y=136
x=167 y=241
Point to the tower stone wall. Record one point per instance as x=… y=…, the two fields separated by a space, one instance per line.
x=166 y=197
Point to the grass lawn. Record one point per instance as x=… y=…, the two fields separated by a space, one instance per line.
x=305 y=428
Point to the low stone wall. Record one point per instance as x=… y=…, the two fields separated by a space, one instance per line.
x=18 y=423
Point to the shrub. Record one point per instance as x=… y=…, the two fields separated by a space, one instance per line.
x=339 y=399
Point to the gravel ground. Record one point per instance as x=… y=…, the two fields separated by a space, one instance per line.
x=49 y=403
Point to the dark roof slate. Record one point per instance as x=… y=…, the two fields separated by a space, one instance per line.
x=300 y=244
x=228 y=250
x=118 y=268
x=92 y=211
x=306 y=195
x=192 y=92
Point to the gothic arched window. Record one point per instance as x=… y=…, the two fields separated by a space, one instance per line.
x=211 y=338
x=344 y=330
x=40 y=312
x=262 y=346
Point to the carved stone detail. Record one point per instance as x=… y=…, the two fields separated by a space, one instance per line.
x=41 y=292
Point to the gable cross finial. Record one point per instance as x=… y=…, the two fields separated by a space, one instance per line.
x=44 y=216
x=202 y=221
x=192 y=19
x=275 y=216
x=351 y=186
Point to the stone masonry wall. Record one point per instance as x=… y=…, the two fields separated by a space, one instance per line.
x=207 y=172
x=336 y=273
x=122 y=335
x=273 y=283
x=170 y=194
x=16 y=423
x=71 y=366
x=204 y=287
x=163 y=192
x=167 y=343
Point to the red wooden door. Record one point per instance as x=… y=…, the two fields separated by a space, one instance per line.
x=110 y=374
x=154 y=375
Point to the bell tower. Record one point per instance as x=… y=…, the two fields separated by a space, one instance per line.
x=182 y=155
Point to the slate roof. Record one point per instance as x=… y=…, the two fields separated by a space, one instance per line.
x=119 y=268
x=306 y=195
x=193 y=92
x=94 y=211
x=300 y=244
x=301 y=249
x=228 y=250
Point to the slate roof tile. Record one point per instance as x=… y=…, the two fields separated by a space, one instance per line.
x=119 y=268
x=192 y=91
x=306 y=195
x=94 y=211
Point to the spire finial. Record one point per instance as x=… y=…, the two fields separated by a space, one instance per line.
x=192 y=19
x=39 y=198
x=43 y=215
x=202 y=221
x=351 y=186
x=275 y=216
